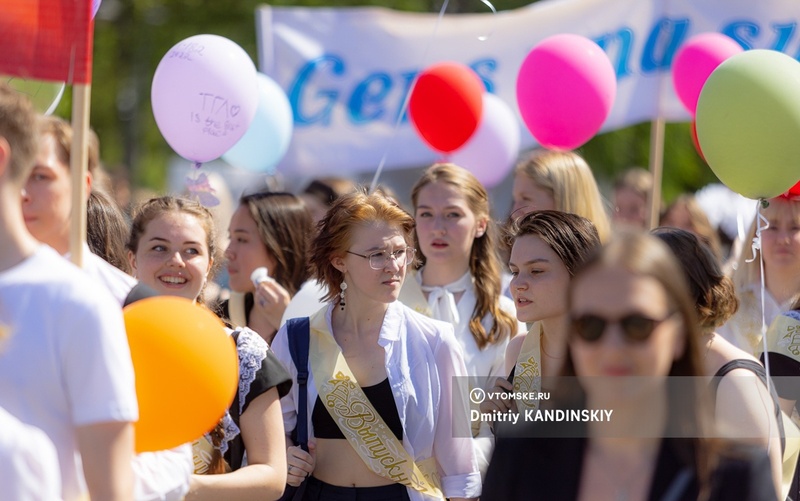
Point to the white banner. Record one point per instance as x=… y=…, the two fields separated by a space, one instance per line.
x=347 y=70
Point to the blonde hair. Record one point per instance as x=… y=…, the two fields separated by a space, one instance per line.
x=568 y=177
x=484 y=262
x=18 y=127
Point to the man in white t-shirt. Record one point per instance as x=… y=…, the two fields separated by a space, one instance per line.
x=28 y=462
x=65 y=367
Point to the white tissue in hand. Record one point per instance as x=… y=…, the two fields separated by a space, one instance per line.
x=259 y=275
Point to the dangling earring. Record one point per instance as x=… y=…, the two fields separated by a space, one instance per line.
x=342 y=286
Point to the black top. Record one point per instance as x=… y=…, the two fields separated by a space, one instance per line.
x=550 y=468
x=270 y=373
x=379 y=395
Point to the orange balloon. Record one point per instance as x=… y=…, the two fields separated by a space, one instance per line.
x=187 y=370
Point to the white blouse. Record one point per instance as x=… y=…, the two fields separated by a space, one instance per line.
x=743 y=329
x=422 y=356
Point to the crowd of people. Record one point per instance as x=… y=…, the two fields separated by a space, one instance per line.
x=547 y=346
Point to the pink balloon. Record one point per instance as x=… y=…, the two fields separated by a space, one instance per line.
x=204 y=96
x=695 y=61
x=491 y=151
x=565 y=90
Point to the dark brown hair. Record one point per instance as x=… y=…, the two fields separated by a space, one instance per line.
x=712 y=291
x=107 y=230
x=573 y=238
x=284 y=227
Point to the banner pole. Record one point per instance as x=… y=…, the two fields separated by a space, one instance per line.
x=657 y=128
x=79 y=167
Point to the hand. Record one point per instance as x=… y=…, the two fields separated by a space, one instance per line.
x=271 y=301
x=498 y=404
x=300 y=463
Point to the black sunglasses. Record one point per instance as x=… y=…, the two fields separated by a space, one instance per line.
x=636 y=328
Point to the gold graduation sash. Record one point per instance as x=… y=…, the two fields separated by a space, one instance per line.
x=528 y=370
x=358 y=420
x=412 y=296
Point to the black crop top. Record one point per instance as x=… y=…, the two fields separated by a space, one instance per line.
x=381 y=398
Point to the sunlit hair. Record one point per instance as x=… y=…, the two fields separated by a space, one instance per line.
x=567 y=176
x=61 y=130
x=644 y=255
x=711 y=290
x=573 y=238
x=336 y=229
x=636 y=179
x=484 y=262
x=107 y=230
x=701 y=226
x=284 y=227
x=160 y=206
x=18 y=127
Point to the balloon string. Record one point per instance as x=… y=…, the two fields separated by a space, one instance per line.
x=762 y=224
x=483 y=38
x=407 y=98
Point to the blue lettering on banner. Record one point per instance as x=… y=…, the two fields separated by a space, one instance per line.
x=328 y=96
x=380 y=95
x=489 y=65
x=743 y=32
x=369 y=95
x=625 y=37
x=367 y=102
x=675 y=31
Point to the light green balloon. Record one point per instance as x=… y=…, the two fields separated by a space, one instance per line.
x=748 y=123
x=44 y=95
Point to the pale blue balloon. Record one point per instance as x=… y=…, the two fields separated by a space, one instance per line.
x=267 y=139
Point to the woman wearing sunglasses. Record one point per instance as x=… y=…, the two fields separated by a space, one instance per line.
x=547 y=247
x=743 y=407
x=632 y=325
x=385 y=419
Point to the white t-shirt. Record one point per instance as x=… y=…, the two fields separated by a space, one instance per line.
x=66 y=362
x=115 y=280
x=306 y=302
x=28 y=462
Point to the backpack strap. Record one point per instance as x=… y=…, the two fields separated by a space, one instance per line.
x=298 y=334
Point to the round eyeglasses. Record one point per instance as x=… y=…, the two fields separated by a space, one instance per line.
x=378 y=260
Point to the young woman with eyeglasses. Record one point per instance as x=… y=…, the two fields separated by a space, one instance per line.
x=409 y=438
x=459 y=276
x=631 y=324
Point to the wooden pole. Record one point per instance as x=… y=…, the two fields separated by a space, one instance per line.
x=79 y=166
x=656 y=168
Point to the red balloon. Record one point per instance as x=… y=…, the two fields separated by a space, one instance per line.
x=446 y=105
x=793 y=193
x=696 y=141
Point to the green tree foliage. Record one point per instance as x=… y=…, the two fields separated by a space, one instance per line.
x=131 y=36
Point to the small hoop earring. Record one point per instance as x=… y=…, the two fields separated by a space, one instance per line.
x=342 y=286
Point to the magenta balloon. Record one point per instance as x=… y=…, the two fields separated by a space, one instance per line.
x=695 y=61
x=492 y=150
x=565 y=90
x=204 y=96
